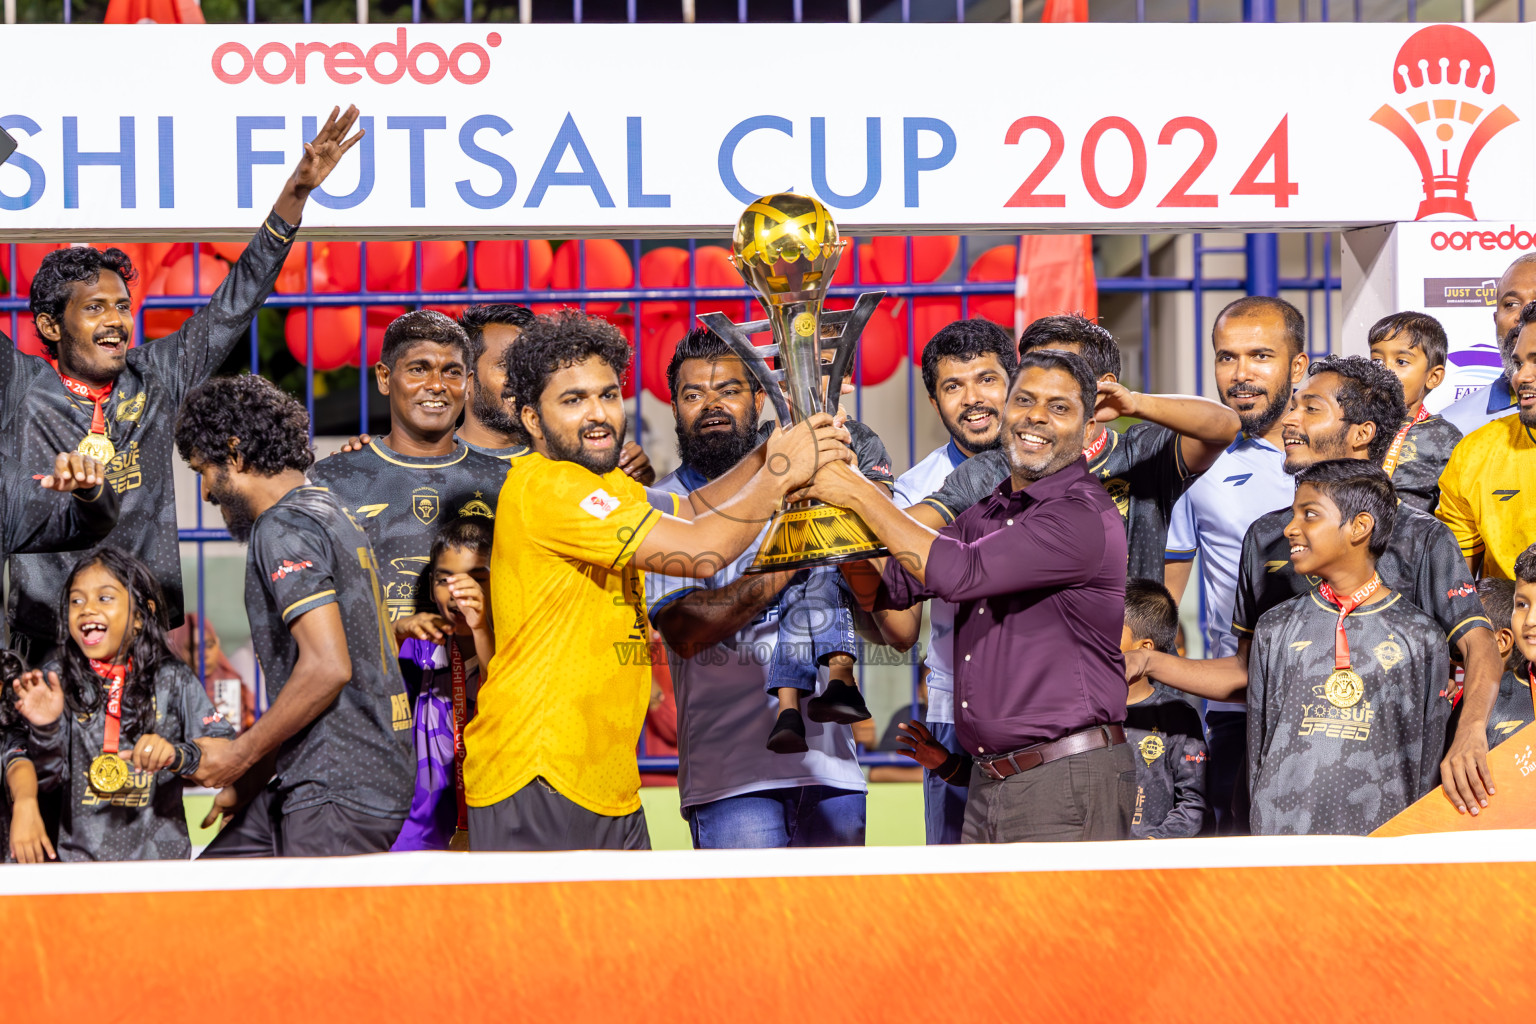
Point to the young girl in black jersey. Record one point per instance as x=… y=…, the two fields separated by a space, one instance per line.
x=113 y=721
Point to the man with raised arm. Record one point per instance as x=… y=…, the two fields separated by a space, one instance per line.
x=98 y=394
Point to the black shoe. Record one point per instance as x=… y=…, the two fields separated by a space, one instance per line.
x=841 y=703
x=788 y=736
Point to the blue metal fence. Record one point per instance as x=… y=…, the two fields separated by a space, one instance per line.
x=1318 y=284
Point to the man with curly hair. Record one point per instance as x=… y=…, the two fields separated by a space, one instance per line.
x=97 y=394
x=550 y=762
x=1351 y=408
x=328 y=769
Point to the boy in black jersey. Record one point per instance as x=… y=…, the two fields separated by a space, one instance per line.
x=1347 y=716
x=116 y=402
x=1512 y=711
x=404 y=486
x=1144 y=469
x=1413 y=347
x=1161 y=726
x=328 y=769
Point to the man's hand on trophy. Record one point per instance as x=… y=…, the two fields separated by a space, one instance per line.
x=1115 y=400
x=792 y=455
x=837 y=483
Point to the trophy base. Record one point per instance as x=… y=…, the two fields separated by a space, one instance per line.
x=816 y=534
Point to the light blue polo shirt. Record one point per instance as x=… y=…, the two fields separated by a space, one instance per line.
x=724 y=713
x=911 y=488
x=1480 y=407
x=1246 y=481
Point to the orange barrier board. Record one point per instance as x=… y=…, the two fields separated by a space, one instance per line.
x=388 y=939
x=1513 y=804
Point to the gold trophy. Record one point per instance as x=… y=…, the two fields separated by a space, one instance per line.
x=786 y=248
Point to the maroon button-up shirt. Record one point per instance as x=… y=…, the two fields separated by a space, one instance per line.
x=1039 y=577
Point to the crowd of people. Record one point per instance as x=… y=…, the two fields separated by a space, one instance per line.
x=457 y=621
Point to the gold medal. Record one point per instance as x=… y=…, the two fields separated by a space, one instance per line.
x=109 y=773
x=460 y=840
x=1344 y=688
x=1151 y=748
x=98 y=447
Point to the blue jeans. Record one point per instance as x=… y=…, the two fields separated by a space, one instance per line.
x=815 y=622
x=943 y=804
x=797 y=816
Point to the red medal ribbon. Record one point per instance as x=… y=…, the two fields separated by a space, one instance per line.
x=1092 y=451
x=116 y=676
x=460 y=715
x=1390 y=462
x=1346 y=605
x=98 y=395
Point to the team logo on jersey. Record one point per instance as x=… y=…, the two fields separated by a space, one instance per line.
x=1276 y=566
x=425 y=503
x=131 y=409
x=1465 y=590
x=369 y=511
x=1239 y=479
x=476 y=506
x=1120 y=493
x=1388 y=654
x=1151 y=748
x=1409 y=453
x=1301 y=645
x=1506 y=495
x=288 y=568
x=1505 y=728
x=600 y=504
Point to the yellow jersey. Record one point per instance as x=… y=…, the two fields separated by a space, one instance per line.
x=1488 y=494
x=566 y=693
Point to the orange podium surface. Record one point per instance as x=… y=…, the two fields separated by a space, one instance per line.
x=1513 y=805
x=1435 y=927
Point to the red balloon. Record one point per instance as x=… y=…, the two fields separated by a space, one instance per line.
x=231 y=251
x=443 y=266
x=931 y=256
x=882 y=349
x=713 y=269
x=24 y=334
x=29 y=255
x=930 y=314
x=178 y=278
x=378 y=319
x=608 y=266
x=391 y=266
x=666 y=267
x=499 y=265
x=337 y=330
x=292 y=278
x=658 y=353
x=999 y=263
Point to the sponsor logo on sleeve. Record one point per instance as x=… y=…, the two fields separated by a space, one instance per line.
x=600 y=504
x=288 y=568
x=1465 y=590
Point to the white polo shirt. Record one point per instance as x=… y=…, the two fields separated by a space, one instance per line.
x=912 y=487
x=724 y=713
x=1211 y=518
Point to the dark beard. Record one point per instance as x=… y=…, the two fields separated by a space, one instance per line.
x=1528 y=417
x=236 y=511
x=602 y=465
x=715 y=456
x=493 y=414
x=1258 y=422
x=971 y=446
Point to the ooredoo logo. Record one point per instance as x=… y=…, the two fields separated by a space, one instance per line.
x=346 y=63
x=1487 y=241
x=1444 y=75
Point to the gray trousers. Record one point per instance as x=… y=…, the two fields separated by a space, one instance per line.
x=536 y=817
x=1085 y=797
x=262 y=829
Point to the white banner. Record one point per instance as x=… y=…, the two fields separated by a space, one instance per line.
x=1452 y=271
x=506 y=130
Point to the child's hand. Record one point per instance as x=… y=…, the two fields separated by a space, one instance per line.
x=468 y=598
x=152 y=753
x=40 y=701
x=29 y=839
x=920 y=745
x=428 y=626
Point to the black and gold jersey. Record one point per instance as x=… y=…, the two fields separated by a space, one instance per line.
x=305 y=553
x=1426 y=449
x=403 y=501
x=40 y=418
x=1512 y=711
x=1318 y=768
